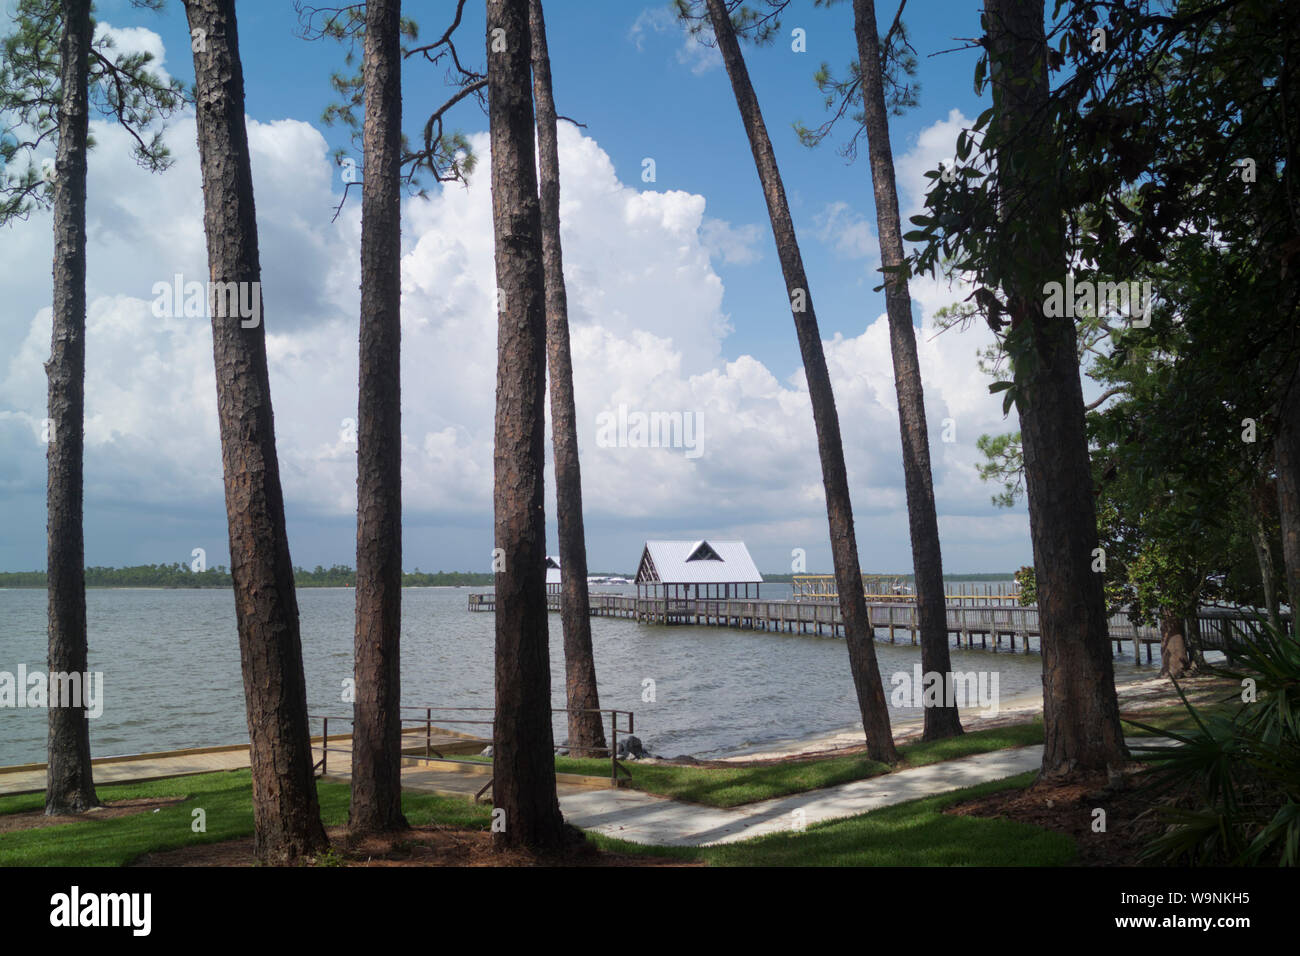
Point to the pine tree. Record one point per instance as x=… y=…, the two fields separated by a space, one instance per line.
x=839 y=507
x=523 y=759
x=931 y=605
x=586 y=732
x=286 y=813
x=377 y=725
x=52 y=73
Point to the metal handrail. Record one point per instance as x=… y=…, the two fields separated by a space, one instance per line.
x=430 y=753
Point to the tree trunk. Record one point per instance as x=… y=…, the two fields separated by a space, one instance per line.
x=586 y=732
x=927 y=560
x=1195 y=644
x=377 y=726
x=69 y=786
x=523 y=757
x=1082 y=734
x=1175 y=653
x=1286 y=446
x=1259 y=536
x=839 y=508
x=285 y=809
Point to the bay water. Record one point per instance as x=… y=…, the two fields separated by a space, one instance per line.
x=170 y=665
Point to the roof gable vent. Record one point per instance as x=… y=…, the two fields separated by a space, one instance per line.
x=704 y=552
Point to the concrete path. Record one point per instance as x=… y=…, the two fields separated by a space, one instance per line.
x=645 y=818
x=30 y=778
x=626 y=814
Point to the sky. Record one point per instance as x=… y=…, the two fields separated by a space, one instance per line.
x=676 y=300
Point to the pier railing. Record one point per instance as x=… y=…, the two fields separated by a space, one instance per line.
x=986 y=616
x=822 y=588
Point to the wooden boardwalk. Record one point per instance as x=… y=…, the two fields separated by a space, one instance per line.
x=974 y=621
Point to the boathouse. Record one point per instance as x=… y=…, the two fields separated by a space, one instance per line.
x=697 y=569
x=552 y=575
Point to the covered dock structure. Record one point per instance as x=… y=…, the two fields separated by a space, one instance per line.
x=672 y=574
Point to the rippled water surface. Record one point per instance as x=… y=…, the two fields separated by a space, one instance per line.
x=170 y=660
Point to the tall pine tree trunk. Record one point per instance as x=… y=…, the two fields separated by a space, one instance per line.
x=285 y=810
x=1175 y=651
x=1258 y=518
x=523 y=757
x=1082 y=733
x=923 y=522
x=586 y=732
x=839 y=507
x=1286 y=446
x=69 y=785
x=377 y=726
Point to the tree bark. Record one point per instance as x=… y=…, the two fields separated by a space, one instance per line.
x=377 y=725
x=1175 y=654
x=285 y=809
x=69 y=786
x=586 y=732
x=1286 y=447
x=839 y=508
x=923 y=522
x=523 y=745
x=1082 y=734
x=1259 y=518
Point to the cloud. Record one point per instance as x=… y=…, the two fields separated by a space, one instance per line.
x=935 y=144
x=657 y=19
x=846 y=231
x=648 y=328
x=127 y=41
x=696 y=53
x=734 y=245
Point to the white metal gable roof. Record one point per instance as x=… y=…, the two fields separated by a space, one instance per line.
x=665 y=562
x=552 y=570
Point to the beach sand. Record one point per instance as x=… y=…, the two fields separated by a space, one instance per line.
x=1138 y=692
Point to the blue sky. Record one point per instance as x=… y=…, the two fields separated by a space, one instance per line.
x=622 y=67
x=680 y=306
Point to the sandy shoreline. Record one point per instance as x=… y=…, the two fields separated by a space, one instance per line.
x=1137 y=691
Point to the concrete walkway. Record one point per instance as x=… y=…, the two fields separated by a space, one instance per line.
x=627 y=814
x=30 y=778
x=645 y=818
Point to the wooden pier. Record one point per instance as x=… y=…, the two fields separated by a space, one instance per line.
x=985 y=621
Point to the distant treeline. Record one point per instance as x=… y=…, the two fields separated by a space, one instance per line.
x=183 y=576
x=884 y=576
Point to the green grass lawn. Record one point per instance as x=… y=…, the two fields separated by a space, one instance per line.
x=734 y=786
x=731 y=787
x=910 y=834
x=227 y=800
x=1174 y=717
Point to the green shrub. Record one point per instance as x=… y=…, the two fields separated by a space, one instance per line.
x=1228 y=790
